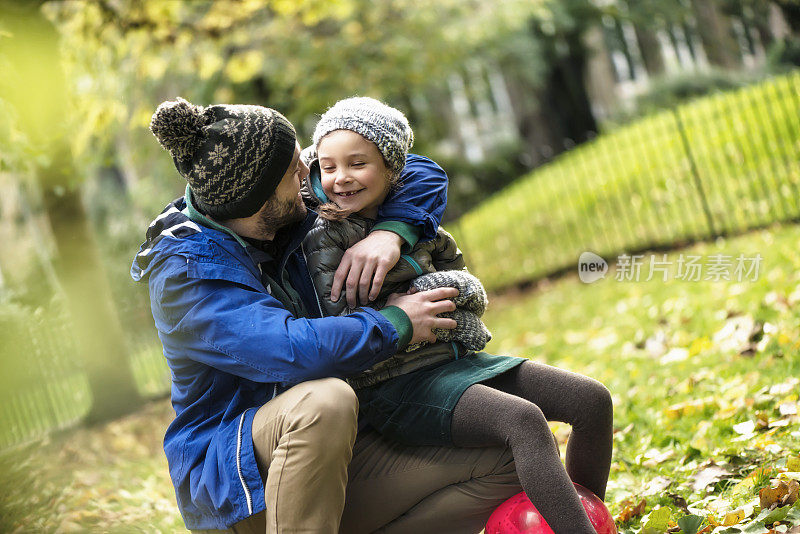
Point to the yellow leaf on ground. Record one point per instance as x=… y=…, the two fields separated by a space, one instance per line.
x=699 y=345
x=732 y=518
x=630 y=510
x=793 y=463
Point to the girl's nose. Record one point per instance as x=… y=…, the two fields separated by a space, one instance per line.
x=341 y=177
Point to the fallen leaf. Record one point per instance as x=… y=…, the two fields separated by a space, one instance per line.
x=654 y=457
x=657 y=485
x=732 y=518
x=699 y=345
x=739 y=334
x=690 y=407
x=792 y=494
x=762 y=421
x=629 y=510
x=707 y=476
x=680 y=502
x=657 y=521
x=784 y=388
x=773 y=494
x=793 y=463
x=676 y=354
x=690 y=523
x=745 y=428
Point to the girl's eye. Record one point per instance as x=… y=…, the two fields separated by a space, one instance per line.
x=358 y=164
x=327 y=169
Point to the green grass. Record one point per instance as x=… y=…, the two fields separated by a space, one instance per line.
x=677 y=419
x=639 y=186
x=110 y=478
x=660 y=347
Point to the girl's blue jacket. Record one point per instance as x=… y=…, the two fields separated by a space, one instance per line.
x=239 y=326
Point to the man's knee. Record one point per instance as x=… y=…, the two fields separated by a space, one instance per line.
x=326 y=405
x=496 y=462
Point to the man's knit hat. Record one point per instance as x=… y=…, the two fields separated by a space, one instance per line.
x=385 y=126
x=233 y=156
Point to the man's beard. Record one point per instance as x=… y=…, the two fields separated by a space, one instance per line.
x=277 y=213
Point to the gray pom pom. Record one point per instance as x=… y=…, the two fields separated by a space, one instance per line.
x=178 y=126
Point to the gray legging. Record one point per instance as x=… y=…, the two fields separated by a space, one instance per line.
x=513 y=409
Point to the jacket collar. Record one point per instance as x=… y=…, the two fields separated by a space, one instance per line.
x=191 y=212
x=297 y=233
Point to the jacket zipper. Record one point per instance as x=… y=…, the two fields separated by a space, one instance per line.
x=311 y=279
x=239 y=467
x=411 y=261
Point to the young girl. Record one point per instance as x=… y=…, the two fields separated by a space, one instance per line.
x=444 y=394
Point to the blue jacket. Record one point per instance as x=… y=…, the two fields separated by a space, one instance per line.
x=238 y=327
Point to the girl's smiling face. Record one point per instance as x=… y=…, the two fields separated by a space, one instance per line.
x=353 y=172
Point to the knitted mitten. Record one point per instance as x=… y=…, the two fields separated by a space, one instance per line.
x=469 y=331
x=471 y=295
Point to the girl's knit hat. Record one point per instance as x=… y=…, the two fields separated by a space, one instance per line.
x=384 y=125
x=233 y=156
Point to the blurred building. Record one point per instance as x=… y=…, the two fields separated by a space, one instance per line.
x=598 y=72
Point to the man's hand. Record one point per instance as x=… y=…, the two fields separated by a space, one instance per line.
x=423 y=307
x=365 y=264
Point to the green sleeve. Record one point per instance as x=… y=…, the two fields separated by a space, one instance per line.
x=409 y=233
x=401 y=323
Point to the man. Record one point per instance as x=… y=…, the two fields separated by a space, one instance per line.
x=265 y=428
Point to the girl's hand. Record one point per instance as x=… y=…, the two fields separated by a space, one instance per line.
x=364 y=267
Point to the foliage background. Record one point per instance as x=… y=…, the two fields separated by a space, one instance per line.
x=81 y=177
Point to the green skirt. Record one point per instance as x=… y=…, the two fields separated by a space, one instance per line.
x=417 y=408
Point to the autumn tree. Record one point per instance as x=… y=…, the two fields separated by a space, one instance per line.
x=35 y=90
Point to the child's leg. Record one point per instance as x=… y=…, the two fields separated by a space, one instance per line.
x=485 y=416
x=580 y=401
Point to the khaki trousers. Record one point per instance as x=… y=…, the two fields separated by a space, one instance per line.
x=304 y=441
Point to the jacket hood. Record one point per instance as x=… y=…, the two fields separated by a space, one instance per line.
x=178 y=228
x=311 y=190
x=172 y=224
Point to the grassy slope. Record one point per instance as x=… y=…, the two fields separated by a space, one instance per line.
x=634 y=187
x=673 y=418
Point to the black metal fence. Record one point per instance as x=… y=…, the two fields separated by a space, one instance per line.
x=717 y=166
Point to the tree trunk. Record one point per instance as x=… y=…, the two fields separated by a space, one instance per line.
x=716 y=34
x=98 y=332
x=541 y=142
x=566 y=95
x=778 y=25
x=600 y=80
x=39 y=98
x=650 y=48
x=760 y=21
x=791 y=13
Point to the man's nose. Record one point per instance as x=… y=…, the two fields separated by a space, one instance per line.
x=304 y=170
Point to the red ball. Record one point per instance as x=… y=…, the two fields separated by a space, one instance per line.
x=519 y=516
